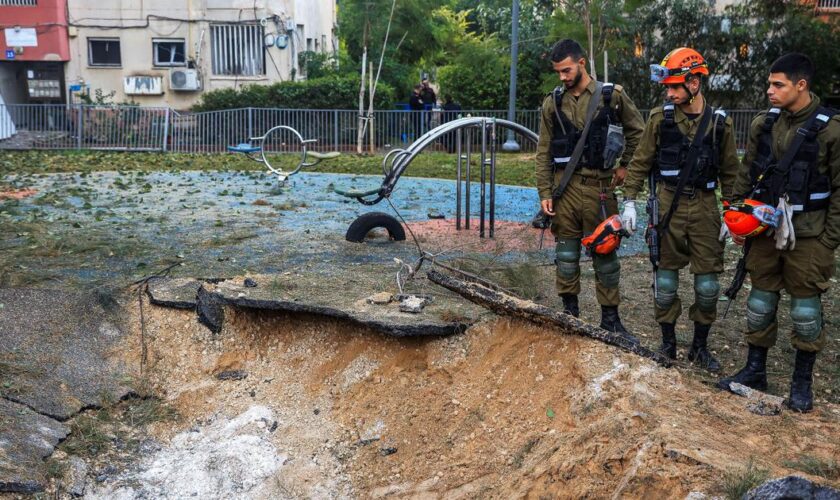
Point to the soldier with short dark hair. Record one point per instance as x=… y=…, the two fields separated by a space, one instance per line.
x=588 y=196
x=792 y=164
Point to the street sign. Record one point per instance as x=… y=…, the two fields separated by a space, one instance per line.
x=10 y=53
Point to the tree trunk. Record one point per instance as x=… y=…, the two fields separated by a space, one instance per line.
x=360 y=135
x=508 y=305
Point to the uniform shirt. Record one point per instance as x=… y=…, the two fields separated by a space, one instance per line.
x=575 y=110
x=645 y=157
x=824 y=224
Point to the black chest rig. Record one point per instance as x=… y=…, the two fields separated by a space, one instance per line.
x=565 y=135
x=674 y=146
x=807 y=189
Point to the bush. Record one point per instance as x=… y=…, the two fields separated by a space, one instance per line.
x=329 y=92
x=478 y=76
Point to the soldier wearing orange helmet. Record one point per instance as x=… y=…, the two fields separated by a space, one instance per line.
x=793 y=164
x=690 y=150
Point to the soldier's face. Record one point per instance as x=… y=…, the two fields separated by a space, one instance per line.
x=570 y=71
x=676 y=93
x=782 y=92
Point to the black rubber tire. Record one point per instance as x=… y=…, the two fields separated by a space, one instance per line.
x=360 y=227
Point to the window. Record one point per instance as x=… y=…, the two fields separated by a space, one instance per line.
x=169 y=52
x=18 y=3
x=104 y=52
x=237 y=49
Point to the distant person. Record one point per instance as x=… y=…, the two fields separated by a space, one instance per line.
x=415 y=103
x=451 y=110
x=427 y=93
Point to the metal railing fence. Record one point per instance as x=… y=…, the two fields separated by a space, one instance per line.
x=134 y=128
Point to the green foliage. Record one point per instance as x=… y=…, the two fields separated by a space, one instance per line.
x=740 y=45
x=329 y=92
x=477 y=77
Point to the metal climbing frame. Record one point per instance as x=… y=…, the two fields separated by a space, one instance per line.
x=397 y=160
x=256 y=145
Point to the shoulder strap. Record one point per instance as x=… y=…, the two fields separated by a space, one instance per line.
x=578 y=151
x=606 y=94
x=687 y=167
x=557 y=93
x=818 y=119
x=816 y=122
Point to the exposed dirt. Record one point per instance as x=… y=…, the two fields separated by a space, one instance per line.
x=504 y=410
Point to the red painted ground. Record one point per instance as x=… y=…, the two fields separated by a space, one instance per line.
x=440 y=234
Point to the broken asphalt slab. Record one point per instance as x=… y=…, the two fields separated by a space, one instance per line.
x=332 y=292
x=53 y=363
x=54 y=350
x=26 y=440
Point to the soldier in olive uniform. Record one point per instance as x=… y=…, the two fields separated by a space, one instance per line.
x=688 y=168
x=589 y=197
x=796 y=145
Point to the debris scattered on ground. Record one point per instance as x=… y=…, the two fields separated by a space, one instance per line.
x=380 y=298
x=758 y=402
x=413 y=304
x=232 y=375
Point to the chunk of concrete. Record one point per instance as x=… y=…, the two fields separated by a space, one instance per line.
x=179 y=293
x=342 y=293
x=27 y=438
x=758 y=402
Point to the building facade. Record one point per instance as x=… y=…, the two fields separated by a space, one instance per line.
x=162 y=52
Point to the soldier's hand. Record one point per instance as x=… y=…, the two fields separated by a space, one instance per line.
x=618 y=176
x=547 y=206
x=738 y=240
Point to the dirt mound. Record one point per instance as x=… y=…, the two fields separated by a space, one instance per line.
x=504 y=410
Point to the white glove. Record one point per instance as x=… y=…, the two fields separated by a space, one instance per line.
x=724 y=232
x=628 y=216
x=785 y=236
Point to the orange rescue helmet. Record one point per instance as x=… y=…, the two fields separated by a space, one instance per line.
x=606 y=237
x=750 y=217
x=677 y=64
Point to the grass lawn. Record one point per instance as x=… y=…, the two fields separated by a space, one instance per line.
x=513 y=169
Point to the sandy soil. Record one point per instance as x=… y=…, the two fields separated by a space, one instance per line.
x=504 y=410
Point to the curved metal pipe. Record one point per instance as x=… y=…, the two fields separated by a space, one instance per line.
x=405 y=156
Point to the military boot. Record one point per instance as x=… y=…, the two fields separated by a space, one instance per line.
x=570 y=304
x=699 y=354
x=754 y=374
x=801 y=397
x=612 y=323
x=669 y=340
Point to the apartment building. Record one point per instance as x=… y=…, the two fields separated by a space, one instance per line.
x=160 y=52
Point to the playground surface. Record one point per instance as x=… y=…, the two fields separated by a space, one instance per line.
x=307 y=373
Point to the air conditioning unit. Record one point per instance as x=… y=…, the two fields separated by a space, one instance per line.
x=184 y=79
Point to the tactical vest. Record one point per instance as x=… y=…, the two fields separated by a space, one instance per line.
x=807 y=189
x=565 y=135
x=674 y=146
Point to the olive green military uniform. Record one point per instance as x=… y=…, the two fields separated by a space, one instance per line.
x=805 y=271
x=692 y=236
x=578 y=211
